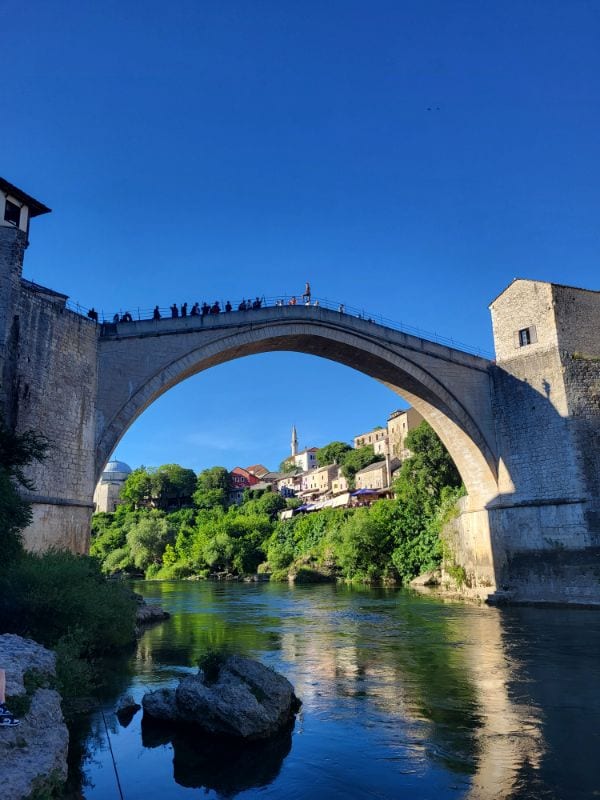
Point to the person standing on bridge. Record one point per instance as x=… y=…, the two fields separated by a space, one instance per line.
x=306 y=293
x=156 y=313
x=174 y=311
x=184 y=310
x=228 y=306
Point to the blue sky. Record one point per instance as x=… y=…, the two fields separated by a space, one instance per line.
x=410 y=158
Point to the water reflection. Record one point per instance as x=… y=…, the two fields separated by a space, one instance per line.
x=509 y=740
x=225 y=767
x=401 y=694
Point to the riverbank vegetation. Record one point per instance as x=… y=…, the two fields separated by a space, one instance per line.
x=390 y=541
x=61 y=600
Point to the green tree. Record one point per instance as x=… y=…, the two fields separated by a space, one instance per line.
x=148 y=538
x=218 y=551
x=427 y=485
x=212 y=488
x=161 y=487
x=173 y=485
x=430 y=468
x=289 y=467
x=357 y=459
x=213 y=478
x=17 y=451
x=137 y=489
x=332 y=453
x=365 y=546
x=271 y=503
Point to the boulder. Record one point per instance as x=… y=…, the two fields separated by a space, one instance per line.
x=246 y=700
x=161 y=705
x=432 y=578
x=147 y=613
x=126 y=709
x=33 y=755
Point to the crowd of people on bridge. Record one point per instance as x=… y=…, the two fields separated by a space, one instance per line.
x=197 y=310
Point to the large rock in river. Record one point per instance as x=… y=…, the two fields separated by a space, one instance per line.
x=246 y=700
x=33 y=755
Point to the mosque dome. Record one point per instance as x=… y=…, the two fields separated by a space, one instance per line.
x=116 y=471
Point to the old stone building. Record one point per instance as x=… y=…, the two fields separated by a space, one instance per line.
x=319 y=480
x=108 y=488
x=375 y=437
x=399 y=425
x=376 y=476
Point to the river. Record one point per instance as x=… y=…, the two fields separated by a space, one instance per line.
x=403 y=696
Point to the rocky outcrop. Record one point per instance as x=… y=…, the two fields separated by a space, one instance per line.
x=432 y=578
x=33 y=754
x=244 y=700
x=146 y=613
x=126 y=709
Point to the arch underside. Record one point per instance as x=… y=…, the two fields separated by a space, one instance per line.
x=399 y=370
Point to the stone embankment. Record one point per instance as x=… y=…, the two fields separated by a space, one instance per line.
x=33 y=755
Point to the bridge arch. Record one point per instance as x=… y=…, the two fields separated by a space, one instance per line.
x=138 y=362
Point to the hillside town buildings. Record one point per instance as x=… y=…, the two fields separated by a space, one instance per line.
x=316 y=486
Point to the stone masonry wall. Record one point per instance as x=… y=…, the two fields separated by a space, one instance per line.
x=578 y=326
x=12 y=247
x=54 y=390
x=545 y=532
x=529 y=399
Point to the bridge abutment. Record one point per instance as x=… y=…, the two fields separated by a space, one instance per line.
x=48 y=357
x=544 y=529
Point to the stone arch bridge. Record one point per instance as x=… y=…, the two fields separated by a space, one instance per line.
x=524 y=431
x=139 y=361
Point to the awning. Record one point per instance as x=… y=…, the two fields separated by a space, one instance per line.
x=340 y=500
x=360 y=492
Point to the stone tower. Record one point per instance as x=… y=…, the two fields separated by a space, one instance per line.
x=294 y=441
x=16 y=210
x=48 y=383
x=546 y=403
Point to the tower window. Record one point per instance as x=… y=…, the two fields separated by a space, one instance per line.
x=527 y=336
x=12 y=212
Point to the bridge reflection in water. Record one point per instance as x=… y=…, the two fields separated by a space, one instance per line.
x=402 y=695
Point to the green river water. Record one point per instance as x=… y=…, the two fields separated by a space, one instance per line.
x=403 y=696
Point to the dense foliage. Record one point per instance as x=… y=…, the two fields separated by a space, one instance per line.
x=163 y=487
x=16 y=452
x=392 y=540
x=59 y=599
x=332 y=453
x=355 y=460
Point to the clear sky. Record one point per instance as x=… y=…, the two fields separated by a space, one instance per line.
x=410 y=158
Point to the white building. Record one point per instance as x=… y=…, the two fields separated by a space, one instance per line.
x=108 y=488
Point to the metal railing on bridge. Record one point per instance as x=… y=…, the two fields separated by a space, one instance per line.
x=139 y=314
